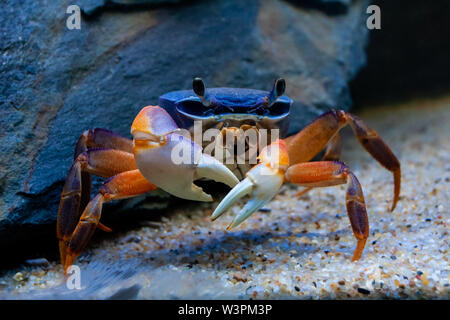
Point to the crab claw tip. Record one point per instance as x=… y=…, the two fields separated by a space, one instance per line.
x=251 y=206
x=262 y=183
x=241 y=189
x=209 y=167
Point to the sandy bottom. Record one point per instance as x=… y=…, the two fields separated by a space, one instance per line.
x=296 y=248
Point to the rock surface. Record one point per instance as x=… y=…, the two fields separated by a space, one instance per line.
x=55 y=82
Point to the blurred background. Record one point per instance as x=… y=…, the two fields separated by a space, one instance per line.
x=407 y=58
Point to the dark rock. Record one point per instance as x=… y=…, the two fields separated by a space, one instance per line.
x=90 y=7
x=93 y=7
x=331 y=7
x=55 y=83
x=37 y=262
x=130 y=293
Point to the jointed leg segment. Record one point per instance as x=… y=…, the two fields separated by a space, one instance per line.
x=100 y=152
x=330 y=173
x=291 y=164
x=332 y=152
x=304 y=145
x=123 y=185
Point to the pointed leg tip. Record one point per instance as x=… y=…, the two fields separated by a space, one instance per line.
x=104 y=228
x=359 y=249
x=70 y=259
x=356 y=255
x=394 y=205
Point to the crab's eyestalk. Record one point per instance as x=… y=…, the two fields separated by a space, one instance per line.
x=279 y=86
x=199 y=88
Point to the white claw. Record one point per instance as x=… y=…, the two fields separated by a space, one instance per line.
x=211 y=168
x=249 y=208
x=160 y=166
x=169 y=159
x=241 y=189
x=262 y=183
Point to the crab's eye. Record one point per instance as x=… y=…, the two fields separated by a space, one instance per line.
x=279 y=86
x=199 y=88
x=194 y=108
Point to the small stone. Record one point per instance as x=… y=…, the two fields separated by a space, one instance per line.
x=239 y=276
x=131 y=238
x=18 y=277
x=37 y=262
x=363 y=291
x=297 y=288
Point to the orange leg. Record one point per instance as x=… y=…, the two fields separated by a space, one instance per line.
x=123 y=185
x=112 y=154
x=97 y=138
x=102 y=138
x=101 y=162
x=330 y=173
x=303 y=146
x=332 y=152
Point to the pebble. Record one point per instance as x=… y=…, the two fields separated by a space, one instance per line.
x=363 y=291
x=239 y=276
x=37 y=262
x=18 y=277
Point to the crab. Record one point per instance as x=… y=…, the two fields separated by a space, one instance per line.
x=145 y=163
